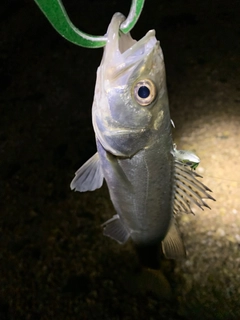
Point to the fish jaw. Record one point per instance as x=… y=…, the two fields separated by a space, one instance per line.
x=118 y=120
x=122 y=52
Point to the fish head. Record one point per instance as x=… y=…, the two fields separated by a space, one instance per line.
x=130 y=99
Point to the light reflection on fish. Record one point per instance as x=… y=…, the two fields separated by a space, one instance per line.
x=135 y=153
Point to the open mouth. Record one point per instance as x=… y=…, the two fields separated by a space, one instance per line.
x=122 y=51
x=136 y=50
x=128 y=46
x=124 y=44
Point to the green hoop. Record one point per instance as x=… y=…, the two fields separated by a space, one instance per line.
x=57 y=16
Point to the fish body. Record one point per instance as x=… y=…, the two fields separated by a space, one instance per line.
x=135 y=152
x=133 y=140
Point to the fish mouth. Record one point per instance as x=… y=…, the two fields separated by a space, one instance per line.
x=140 y=48
x=122 y=50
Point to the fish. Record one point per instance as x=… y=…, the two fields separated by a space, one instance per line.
x=135 y=155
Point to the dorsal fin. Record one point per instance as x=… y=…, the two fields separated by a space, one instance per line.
x=189 y=190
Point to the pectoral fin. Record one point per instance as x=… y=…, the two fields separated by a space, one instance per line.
x=89 y=177
x=172 y=245
x=115 y=229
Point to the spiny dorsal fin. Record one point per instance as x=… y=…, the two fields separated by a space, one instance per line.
x=89 y=177
x=172 y=245
x=189 y=190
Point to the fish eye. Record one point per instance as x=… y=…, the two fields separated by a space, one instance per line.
x=145 y=92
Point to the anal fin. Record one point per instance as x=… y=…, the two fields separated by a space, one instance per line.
x=89 y=177
x=172 y=245
x=115 y=229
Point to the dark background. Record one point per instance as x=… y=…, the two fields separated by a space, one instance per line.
x=54 y=261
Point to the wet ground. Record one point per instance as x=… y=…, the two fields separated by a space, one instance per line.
x=55 y=262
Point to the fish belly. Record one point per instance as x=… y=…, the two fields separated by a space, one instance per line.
x=141 y=189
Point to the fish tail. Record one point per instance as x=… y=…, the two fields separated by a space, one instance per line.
x=149 y=277
x=147 y=280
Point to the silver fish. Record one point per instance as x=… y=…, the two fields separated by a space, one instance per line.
x=135 y=152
